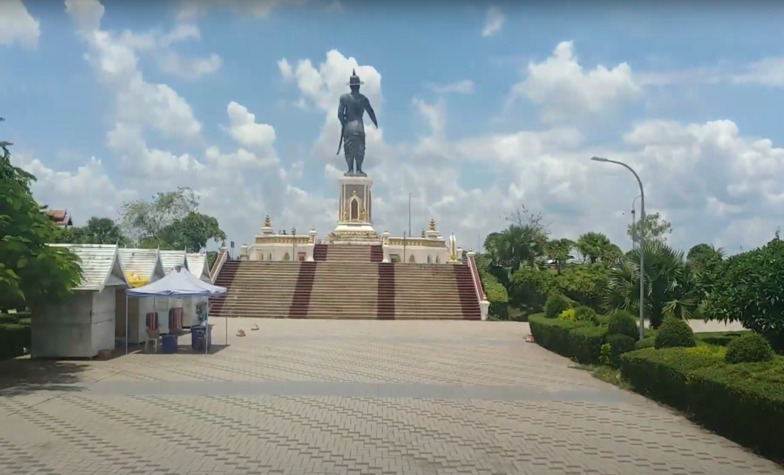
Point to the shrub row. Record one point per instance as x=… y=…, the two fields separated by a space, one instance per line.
x=580 y=340
x=743 y=402
x=581 y=334
x=14 y=338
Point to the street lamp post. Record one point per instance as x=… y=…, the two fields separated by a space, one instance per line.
x=641 y=238
x=634 y=231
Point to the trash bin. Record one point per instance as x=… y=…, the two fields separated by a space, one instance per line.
x=169 y=343
x=198 y=337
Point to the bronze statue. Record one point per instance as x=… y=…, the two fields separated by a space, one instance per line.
x=351 y=108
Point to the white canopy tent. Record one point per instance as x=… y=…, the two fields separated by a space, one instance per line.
x=179 y=283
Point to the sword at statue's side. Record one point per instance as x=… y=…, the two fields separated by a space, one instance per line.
x=342 y=132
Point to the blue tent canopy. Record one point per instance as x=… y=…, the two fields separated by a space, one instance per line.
x=177 y=283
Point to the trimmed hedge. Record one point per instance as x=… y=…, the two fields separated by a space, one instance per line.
x=619 y=344
x=586 y=314
x=14 y=339
x=743 y=402
x=622 y=323
x=750 y=348
x=646 y=342
x=579 y=340
x=719 y=338
x=555 y=305
x=674 y=333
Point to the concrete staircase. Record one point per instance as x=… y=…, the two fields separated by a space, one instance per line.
x=348 y=253
x=346 y=281
x=424 y=291
x=257 y=289
x=344 y=290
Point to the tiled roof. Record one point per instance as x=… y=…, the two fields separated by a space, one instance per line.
x=97 y=261
x=172 y=259
x=141 y=261
x=59 y=216
x=197 y=263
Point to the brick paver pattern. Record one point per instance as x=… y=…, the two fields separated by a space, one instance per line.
x=364 y=397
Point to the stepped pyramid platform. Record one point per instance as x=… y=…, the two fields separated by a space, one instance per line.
x=346 y=281
x=354 y=273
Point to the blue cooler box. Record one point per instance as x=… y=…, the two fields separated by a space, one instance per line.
x=169 y=343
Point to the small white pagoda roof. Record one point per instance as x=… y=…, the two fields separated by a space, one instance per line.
x=172 y=259
x=198 y=265
x=145 y=262
x=100 y=263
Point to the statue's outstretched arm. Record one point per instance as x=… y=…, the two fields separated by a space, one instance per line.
x=371 y=112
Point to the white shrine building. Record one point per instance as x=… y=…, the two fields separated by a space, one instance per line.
x=354 y=227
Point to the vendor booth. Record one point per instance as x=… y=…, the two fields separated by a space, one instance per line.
x=82 y=325
x=181 y=284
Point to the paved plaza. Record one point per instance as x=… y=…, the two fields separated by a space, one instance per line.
x=364 y=397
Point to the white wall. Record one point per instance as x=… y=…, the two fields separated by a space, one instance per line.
x=437 y=255
x=64 y=330
x=276 y=252
x=104 y=307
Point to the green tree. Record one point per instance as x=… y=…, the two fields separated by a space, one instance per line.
x=170 y=220
x=705 y=263
x=669 y=289
x=747 y=289
x=585 y=284
x=193 y=232
x=31 y=272
x=96 y=231
x=143 y=221
x=559 y=250
x=522 y=242
x=529 y=288
x=654 y=228
x=597 y=247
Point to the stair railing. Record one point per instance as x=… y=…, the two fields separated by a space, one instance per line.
x=484 y=305
x=218 y=265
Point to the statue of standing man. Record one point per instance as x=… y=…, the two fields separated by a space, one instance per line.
x=351 y=108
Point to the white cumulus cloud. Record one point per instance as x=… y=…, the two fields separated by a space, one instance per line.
x=17 y=25
x=494 y=20
x=563 y=89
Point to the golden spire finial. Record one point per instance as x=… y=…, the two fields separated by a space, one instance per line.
x=267 y=222
x=432 y=224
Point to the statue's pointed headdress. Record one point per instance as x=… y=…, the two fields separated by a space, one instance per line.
x=354 y=79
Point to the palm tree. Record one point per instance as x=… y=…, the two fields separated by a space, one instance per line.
x=559 y=250
x=515 y=245
x=669 y=287
x=596 y=246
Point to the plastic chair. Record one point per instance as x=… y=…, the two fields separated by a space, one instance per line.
x=153 y=336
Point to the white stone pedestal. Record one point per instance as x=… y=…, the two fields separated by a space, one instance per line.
x=355 y=213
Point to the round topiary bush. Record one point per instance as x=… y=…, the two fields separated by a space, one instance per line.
x=674 y=333
x=555 y=305
x=619 y=344
x=586 y=314
x=646 y=342
x=749 y=348
x=622 y=322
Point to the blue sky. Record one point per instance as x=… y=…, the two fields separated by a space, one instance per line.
x=482 y=107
